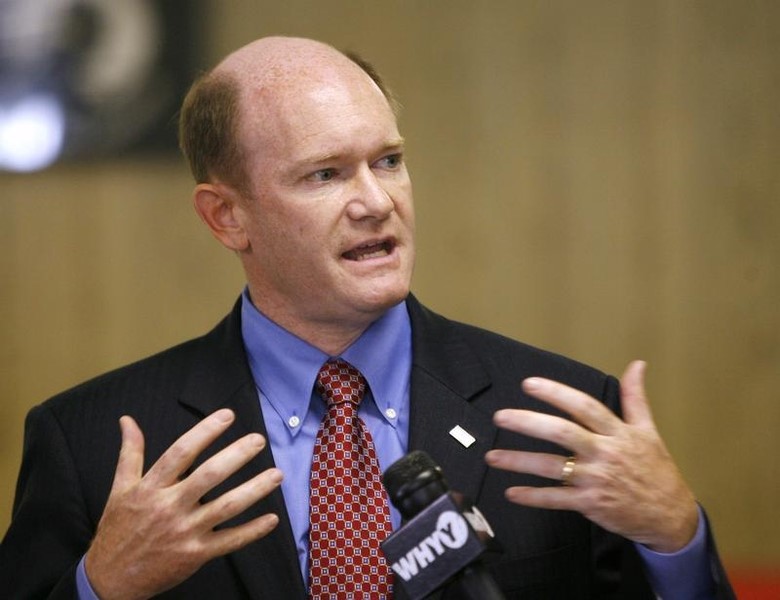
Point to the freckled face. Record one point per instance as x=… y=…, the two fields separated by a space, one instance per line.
x=330 y=219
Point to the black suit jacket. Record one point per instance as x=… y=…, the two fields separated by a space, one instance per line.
x=460 y=376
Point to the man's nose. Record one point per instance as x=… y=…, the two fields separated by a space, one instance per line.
x=369 y=198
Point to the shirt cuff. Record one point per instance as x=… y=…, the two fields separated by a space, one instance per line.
x=83 y=587
x=683 y=574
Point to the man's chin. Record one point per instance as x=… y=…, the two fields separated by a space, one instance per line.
x=378 y=302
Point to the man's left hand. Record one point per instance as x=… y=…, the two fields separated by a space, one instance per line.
x=623 y=478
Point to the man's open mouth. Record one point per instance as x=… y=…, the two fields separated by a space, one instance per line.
x=368 y=251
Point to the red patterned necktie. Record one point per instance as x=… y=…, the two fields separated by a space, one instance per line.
x=348 y=514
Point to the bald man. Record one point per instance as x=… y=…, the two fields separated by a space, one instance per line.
x=202 y=491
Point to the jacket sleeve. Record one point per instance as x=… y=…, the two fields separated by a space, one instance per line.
x=50 y=529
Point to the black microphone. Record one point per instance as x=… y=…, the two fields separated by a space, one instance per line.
x=444 y=537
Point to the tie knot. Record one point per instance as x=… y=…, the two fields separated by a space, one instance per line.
x=338 y=381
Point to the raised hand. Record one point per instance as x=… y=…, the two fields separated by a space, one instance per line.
x=619 y=473
x=155 y=532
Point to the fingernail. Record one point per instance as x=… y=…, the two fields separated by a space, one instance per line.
x=500 y=417
x=532 y=383
x=257 y=439
x=276 y=475
x=224 y=415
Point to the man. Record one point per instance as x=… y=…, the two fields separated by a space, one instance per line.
x=300 y=172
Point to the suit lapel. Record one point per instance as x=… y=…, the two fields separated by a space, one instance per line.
x=446 y=379
x=221 y=378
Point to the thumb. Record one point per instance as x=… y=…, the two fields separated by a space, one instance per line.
x=129 y=467
x=633 y=398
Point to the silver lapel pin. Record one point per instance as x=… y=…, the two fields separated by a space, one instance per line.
x=463 y=436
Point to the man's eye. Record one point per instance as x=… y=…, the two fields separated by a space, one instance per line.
x=391 y=161
x=323 y=175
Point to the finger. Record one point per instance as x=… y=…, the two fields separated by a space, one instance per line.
x=222 y=465
x=554 y=498
x=183 y=452
x=237 y=500
x=549 y=466
x=225 y=541
x=584 y=409
x=633 y=398
x=553 y=429
x=130 y=465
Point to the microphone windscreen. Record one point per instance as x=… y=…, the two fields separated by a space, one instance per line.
x=405 y=470
x=413 y=482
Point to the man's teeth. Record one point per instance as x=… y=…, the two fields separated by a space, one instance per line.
x=367 y=253
x=374 y=254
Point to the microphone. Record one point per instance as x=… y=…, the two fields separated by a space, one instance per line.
x=444 y=537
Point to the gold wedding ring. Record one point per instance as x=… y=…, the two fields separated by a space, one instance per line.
x=568 y=470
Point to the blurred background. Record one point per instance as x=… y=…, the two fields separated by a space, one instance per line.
x=597 y=178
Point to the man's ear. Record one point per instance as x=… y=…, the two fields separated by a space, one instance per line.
x=218 y=207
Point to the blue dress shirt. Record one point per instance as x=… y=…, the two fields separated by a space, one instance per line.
x=285 y=368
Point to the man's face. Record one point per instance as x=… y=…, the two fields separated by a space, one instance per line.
x=330 y=217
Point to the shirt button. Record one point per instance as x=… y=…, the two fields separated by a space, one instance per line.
x=390 y=413
x=294 y=422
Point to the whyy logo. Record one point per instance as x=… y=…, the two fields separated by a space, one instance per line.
x=451 y=532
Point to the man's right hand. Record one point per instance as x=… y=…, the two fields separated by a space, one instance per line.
x=155 y=532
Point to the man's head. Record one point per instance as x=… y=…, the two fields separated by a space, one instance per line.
x=300 y=170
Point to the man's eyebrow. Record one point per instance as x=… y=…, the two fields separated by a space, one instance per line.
x=398 y=142
x=396 y=145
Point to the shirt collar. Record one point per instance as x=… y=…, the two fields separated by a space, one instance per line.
x=285 y=367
